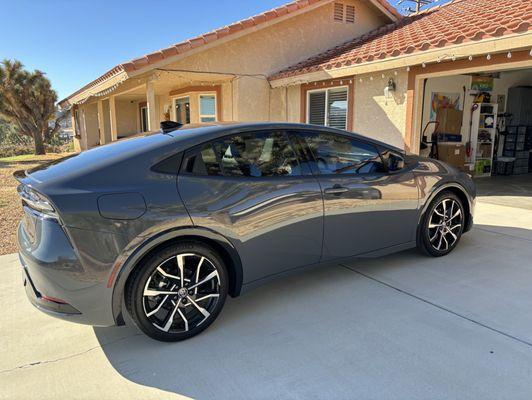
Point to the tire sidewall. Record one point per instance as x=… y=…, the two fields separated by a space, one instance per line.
x=135 y=302
x=424 y=228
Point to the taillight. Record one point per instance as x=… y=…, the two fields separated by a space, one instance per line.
x=36 y=201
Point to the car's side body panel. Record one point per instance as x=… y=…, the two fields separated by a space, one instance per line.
x=376 y=211
x=275 y=223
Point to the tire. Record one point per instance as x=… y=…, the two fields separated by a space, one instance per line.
x=442 y=225
x=166 y=310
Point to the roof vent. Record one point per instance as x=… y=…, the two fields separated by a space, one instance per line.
x=338 y=13
x=344 y=13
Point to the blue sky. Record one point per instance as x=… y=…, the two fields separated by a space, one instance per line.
x=75 y=41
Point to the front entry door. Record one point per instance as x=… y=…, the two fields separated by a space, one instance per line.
x=366 y=207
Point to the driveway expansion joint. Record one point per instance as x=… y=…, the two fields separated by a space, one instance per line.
x=402 y=291
x=38 y=363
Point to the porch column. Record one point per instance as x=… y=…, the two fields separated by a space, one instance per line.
x=112 y=115
x=90 y=115
x=76 y=129
x=83 y=129
x=153 y=121
x=101 y=121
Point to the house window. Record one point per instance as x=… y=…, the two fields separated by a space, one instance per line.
x=182 y=110
x=144 y=119
x=344 y=13
x=328 y=107
x=207 y=105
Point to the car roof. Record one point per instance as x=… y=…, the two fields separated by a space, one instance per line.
x=198 y=133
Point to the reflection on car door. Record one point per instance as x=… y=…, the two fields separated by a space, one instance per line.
x=252 y=189
x=366 y=207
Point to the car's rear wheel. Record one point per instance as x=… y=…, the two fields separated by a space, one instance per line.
x=442 y=225
x=178 y=292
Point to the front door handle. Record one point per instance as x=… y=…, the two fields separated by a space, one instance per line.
x=336 y=190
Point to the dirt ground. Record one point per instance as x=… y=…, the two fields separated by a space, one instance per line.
x=10 y=206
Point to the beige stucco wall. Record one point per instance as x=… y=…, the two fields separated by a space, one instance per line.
x=274 y=48
x=127 y=115
x=377 y=117
x=278 y=103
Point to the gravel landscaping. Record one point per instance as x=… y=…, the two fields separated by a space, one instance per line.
x=10 y=208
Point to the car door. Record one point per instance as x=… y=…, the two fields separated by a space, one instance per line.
x=367 y=206
x=252 y=188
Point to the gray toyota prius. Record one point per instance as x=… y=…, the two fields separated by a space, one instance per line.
x=171 y=223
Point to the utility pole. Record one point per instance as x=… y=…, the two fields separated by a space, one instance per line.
x=418 y=4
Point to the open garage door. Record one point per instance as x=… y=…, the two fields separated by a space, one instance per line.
x=481 y=122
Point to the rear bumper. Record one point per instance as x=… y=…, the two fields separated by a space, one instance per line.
x=55 y=280
x=47 y=305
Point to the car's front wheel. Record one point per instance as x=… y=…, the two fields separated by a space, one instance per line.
x=178 y=292
x=442 y=225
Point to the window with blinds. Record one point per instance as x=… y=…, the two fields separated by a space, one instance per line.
x=328 y=107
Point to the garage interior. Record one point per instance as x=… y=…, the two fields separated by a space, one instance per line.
x=482 y=123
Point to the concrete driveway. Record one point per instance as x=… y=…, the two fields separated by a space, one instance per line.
x=401 y=327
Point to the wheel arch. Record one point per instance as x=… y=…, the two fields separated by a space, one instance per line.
x=150 y=246
x=459 y=191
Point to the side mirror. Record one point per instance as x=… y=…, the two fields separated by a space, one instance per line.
x=395 y=162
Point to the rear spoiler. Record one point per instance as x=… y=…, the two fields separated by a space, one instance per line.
x=20 y=175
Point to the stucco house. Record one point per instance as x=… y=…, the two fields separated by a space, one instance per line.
x=353 y=64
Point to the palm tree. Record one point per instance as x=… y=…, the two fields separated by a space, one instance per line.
x=28 y=101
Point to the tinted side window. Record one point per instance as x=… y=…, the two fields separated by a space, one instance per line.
x=202 y=161
x=337 y=154
x=255 y=154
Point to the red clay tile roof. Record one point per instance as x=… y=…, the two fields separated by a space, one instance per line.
x=452 y=23
x=187 y=45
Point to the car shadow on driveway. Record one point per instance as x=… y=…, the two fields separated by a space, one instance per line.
x=342 y=332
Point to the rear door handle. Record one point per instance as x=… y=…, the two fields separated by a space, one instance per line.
x=337 y=190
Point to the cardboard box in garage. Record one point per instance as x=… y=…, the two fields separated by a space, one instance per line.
x=450 y=121
x=454 y=154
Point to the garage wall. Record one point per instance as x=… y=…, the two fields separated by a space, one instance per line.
x=447 y=84
x=511 y=79
x=374 y=115
x=456 y=83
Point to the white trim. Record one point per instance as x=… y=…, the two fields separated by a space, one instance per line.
x=174 y=100
x=200 y=115
x=326 y=89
